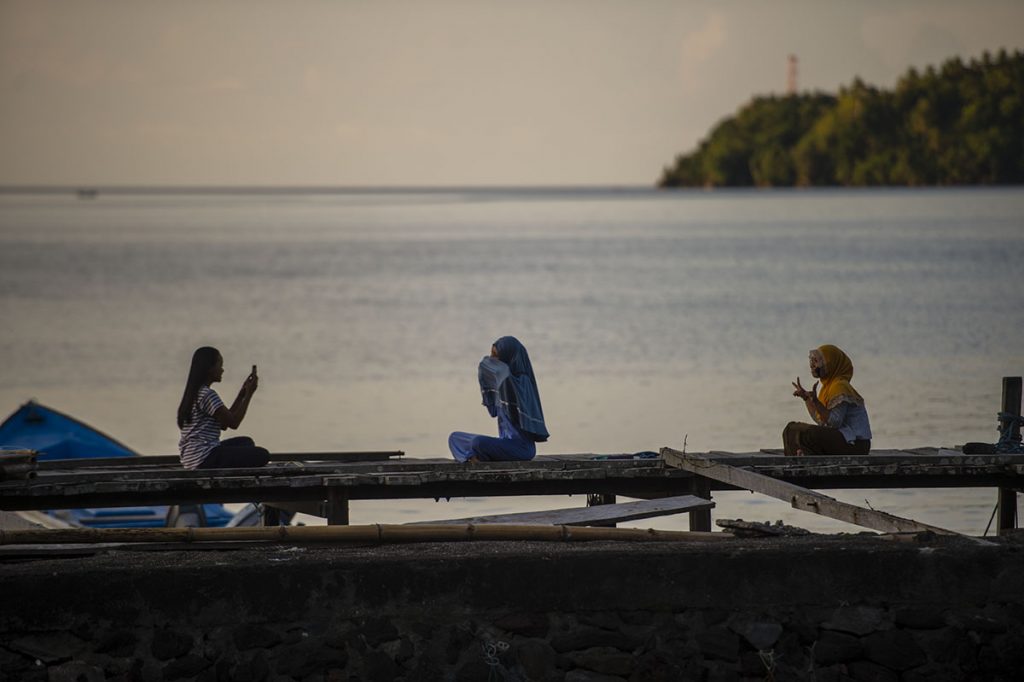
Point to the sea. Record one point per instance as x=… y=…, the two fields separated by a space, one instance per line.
x=652 y=318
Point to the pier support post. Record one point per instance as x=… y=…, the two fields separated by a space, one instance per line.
x=271 y=516
x=337 y=507
x=700 y=520
x=1007 y=518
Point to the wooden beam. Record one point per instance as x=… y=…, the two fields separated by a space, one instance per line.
x=700 y=521
x=337 y=507
x=1007 y=519
x=171 y=460
x=596 y=515
x=798 y=497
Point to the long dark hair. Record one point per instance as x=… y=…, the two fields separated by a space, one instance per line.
x=203 y=361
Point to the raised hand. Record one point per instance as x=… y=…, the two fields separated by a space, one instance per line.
x=803 y=393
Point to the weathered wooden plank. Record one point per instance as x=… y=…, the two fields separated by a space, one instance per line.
x=79 y=463
x=798 y=497
x=596 y=515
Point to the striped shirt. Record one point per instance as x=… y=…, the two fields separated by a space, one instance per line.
x=202 y=433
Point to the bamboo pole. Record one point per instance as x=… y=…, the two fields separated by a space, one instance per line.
x=366 y=534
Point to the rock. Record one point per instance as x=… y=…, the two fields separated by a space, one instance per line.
x=980 y=622
x=120 y=643
x=659 y=666
x=50 y=648
x=719 y=643
x=474 y=669
x=856 y=620
x=896 y=650
x=1008 y=650
x=400 y=650
x=535 y=657
x=722 y=674
x=871 y=672
x=76 y=671
x=12 y=662
x=947 y=645
x=252 y=669
x=836 y=647
x=294 y=636
x=588 y=638
x=715 y=616
x=932 y=672
x=525 y=624
x=168 y=644
x=752 y=665
x=306 y=658
x=591 y=676
x=605 y=660
x=601 y=619
x=253 y=636
x=637 y=617
x=379 y=666
x=920 y=618
x=377 y=630
x=761 y=635
x=458 y=640
x=831 y=673
x=185 y=667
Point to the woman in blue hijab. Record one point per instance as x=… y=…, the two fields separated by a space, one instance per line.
x=510 y=393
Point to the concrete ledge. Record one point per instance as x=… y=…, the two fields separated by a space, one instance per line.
x=832 y=605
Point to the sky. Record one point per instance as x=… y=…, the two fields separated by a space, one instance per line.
x=439 y=93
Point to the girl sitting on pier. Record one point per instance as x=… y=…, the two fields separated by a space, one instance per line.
x=509 y=393
x=202 y=416
x=842 y=426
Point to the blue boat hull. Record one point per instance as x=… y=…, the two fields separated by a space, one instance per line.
x=57 y=436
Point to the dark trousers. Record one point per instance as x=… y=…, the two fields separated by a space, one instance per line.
x=236 y=453
x=820 y=440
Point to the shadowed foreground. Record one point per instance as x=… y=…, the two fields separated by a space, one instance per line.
x=821 y=607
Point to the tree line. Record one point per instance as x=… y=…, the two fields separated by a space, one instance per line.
x=960 y=124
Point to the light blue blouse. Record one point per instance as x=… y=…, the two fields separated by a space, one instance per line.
x=852 y=421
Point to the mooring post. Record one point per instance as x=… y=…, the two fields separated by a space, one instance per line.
x=337 y=507
x=1011 y=406
x=700 y=520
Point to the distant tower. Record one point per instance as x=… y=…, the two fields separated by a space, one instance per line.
x=791 y=76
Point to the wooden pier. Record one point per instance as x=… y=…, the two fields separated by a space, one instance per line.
x=325 y=484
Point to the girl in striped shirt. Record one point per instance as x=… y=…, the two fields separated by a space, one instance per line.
x=202 y=416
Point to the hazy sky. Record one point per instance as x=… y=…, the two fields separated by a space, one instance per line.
x=430 y=92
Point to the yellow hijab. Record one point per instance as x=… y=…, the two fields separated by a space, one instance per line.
x=835 y=382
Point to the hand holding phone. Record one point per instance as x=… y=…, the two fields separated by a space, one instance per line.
x=252 y=381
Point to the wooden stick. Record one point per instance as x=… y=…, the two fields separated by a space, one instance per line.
x=368 y=534
x=800 y=498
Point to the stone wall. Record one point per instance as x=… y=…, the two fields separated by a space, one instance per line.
x=816 y=608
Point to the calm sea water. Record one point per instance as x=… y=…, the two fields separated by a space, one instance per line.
x=652 y=318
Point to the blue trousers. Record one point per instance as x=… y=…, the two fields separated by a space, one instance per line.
x=490 y=449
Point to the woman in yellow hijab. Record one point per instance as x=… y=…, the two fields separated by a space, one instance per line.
x=841 y=421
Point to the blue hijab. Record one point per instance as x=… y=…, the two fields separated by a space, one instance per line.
x=511 y=383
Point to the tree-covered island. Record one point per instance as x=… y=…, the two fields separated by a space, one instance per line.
x=962 y=124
